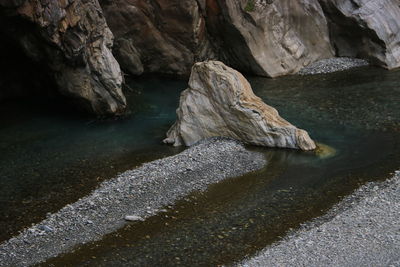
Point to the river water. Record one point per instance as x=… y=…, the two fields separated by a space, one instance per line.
x=51 y=156
x=51 y=159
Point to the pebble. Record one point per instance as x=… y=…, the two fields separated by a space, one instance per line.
x=362 y=230
x=133 y=218
x=134 y=194
x=45 y=228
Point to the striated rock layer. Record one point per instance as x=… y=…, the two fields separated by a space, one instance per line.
x=72 y=39
x=220 y=102
x=70 y=42
x=263 y=37
x=168 y=37
x=158 y=36
x=365 y=29
x=269 y=38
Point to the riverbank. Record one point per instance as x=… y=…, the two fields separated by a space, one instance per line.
x=330 y=65
x=362 y=230
x=139 y=193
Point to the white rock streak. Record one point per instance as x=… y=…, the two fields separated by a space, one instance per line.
x=220 y=102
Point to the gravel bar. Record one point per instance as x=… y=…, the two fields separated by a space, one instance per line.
x=138 y=193
x=362 y=230
x=332 y=65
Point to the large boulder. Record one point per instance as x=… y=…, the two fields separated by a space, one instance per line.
x=220 y=102
x=366 y=29
x=72 y=39
x=269 y=38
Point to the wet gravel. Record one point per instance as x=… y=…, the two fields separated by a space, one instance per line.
x=362 y=230
x=332 y=65
x=133 y=195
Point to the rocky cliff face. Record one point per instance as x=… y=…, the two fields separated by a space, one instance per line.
x=263 y=37
x=220 y=102
x=365 y=29
x=158 y=36
x=69 y=41
x=72 y=39
x=270 y=38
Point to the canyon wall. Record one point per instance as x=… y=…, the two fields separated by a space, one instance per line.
x=158 y=36
x=70 y=39
x=79 y=45
x=365 y=29
x=263 y=37
x=268 y=39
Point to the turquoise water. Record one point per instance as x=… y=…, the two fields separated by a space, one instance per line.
x=63 y=156
x=51 y=156
x=357 y=113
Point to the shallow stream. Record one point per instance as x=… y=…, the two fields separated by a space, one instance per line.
x=50 y=159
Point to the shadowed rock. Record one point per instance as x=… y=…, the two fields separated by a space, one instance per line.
x=365 y=29
x=74 y=42
x=269 y=38
x=220 y=102
x=160 y=36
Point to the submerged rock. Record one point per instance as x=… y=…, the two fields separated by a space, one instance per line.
x=220 y=102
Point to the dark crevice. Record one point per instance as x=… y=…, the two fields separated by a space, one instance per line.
x=22 y=74
x=352 y=38
x=26 y=70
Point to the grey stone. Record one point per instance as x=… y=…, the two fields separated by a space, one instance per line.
x=133 y=218
x=269 y=38
x=74 y=41
x=273 y=39
x=220 y=102
x=365 y=29
x=167 y=36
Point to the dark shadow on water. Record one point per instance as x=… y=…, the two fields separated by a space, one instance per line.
x=356 y=112
x=51 y=155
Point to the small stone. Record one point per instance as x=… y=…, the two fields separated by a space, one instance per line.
x=45 y=228
x=133 y=218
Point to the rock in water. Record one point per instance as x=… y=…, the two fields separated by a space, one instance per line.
x=220 y=102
